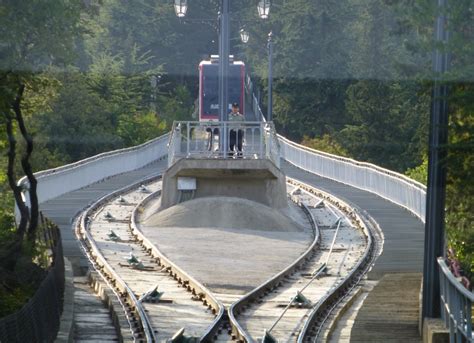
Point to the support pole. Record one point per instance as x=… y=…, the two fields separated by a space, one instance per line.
x=436 y=194
x=270 y=77
x=224 y=48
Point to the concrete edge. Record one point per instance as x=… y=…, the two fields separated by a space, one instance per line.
x=108 y=297
x=345 y=307
x=66 y=326
x=434 y=331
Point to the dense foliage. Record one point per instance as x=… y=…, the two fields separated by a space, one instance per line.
x=352 y=77
x=355 y=77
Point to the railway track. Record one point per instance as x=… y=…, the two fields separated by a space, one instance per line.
x=291 y=306
x=161 y=301
x=288 y=307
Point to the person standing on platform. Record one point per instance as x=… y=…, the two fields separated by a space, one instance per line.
x=236 y=134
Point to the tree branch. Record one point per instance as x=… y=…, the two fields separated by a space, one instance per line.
x=26 y=165
x=12 y=179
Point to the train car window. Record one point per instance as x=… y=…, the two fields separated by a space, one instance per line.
x=210 y=89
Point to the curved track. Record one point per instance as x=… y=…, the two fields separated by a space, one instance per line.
x=339 y=255
x=182 y=303
x=341 y=249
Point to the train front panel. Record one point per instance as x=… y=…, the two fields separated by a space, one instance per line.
x=209 y=89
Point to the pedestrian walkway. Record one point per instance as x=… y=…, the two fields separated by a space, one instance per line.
x=390 y=313
x=92 y=321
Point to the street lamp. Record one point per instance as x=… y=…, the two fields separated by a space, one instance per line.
x=244 y=35
x=180 y=7
x=270 y=77
x=270 y=71
x=263 y=8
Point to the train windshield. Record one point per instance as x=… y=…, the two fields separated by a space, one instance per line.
x=210 y=92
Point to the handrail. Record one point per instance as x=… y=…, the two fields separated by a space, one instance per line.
x=38 y=320
x=456 y=305
x=57 y=181
x=255 y=105
x=356 y=162
x=198 y=139
x=385 y=183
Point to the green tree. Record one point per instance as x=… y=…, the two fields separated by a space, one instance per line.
x=34 y=35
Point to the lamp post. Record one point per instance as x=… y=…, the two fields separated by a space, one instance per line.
x=245 y=38
x=224 y=42
x=270 y=77
x=263 y=8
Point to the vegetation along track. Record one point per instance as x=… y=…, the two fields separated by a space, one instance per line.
x=161 y=301
x=293 y=305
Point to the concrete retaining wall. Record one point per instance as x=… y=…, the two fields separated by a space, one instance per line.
x=256 y=180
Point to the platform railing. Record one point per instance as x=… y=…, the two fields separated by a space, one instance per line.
x=194 y=139
x=456 y=305
x=385 y=183
x=249 y=87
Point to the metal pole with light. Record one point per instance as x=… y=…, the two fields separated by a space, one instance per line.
x=436 y=191
x=263 y=8
x=270 y=77
x=224 y=42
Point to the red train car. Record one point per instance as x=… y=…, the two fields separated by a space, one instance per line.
x=209 y=87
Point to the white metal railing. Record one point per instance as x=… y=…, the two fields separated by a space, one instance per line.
x=390 y=185
x=61 y=180
x=254 y=101
x=387 y=184
x=456 y=305
x=248 y=140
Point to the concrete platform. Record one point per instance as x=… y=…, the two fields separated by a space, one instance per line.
x=257 y=180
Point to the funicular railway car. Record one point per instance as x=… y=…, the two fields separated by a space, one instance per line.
x=209 y=94
x=209 y=87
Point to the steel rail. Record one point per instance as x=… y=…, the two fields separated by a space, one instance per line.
x=101 y=264
x=178 y=273
x=269 y=285
x=108 y=281
x=320 y=313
